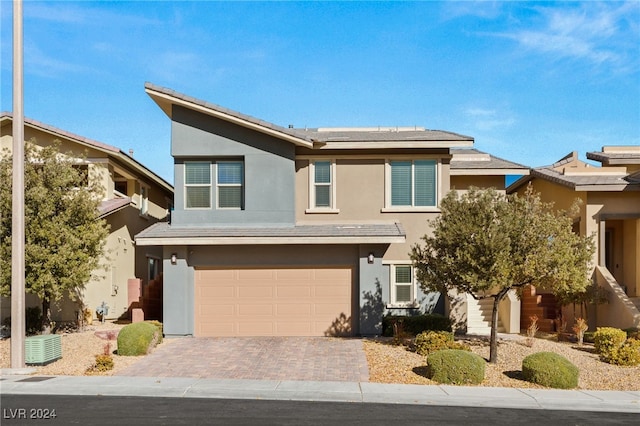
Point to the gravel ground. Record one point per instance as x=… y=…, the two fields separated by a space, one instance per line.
x=388 y=363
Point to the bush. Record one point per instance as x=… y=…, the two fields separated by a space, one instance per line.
x=104 y=363
x=588 y=336
x=607 y=340
x=632 y=333
x=551 y=370
x=455 y=367
x=157 y=324
x=431 y=341
x=138 y=339
x=414 y=325
x=628 y=354
x=33 y=321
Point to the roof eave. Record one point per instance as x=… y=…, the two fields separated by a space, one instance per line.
x=344 y=145
x=201 y=241
x=481 y=172
x=165 y=101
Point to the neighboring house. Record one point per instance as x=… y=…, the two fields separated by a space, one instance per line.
x=610 y=211
x=282 y=232
x=134 y=198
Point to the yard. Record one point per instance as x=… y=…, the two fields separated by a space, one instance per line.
x=388 y=363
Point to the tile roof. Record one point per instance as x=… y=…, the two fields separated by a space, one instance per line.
x=585 y=181
x=612 y=158
x=111 y=206
x=471 y=158
x=283 y=235
x=373 y=134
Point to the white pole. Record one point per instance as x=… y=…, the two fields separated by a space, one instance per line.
x=17 y=224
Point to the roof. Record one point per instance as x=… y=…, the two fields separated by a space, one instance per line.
x=315 y=138
x=163 y=233
x=581 y=181
x=467 y=161
x=108 y=207
x=616 y=155
x=108 y=149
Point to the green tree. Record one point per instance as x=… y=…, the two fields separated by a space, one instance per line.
x=64 y=235
x=485 y=244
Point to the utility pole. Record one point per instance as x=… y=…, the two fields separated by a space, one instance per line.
x=17 y=207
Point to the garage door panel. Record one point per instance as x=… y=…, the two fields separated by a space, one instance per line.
x=272 y=302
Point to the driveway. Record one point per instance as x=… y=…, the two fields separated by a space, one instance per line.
x=258 y=358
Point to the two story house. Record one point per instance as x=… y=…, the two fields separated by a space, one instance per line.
x=610 y=212
x=134 y=197
x=278 y=231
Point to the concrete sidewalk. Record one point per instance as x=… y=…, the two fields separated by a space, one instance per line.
x=363 y=392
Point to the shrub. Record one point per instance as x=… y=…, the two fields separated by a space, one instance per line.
x=414 y=325
x=632 y=333
x=456 y=367
x=588 y=336
x=551 y=370
x=431 y=341
x=157 y=324
x=628 y=354
x=103 y=363
x=607 y=340
x=33 y=321
x=137 y=339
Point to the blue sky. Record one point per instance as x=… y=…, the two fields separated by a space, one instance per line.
x=530 y=81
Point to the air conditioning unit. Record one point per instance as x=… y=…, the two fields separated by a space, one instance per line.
x=42 y=349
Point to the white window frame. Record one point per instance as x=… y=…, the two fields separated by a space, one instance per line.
x=222 y=185
x=393 y=303
x=312 y=187
x=194 y=185
x=388 y=207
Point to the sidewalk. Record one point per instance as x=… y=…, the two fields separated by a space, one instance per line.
x=363 y=392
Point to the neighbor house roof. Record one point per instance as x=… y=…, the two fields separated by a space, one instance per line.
x=315 y=138
x=163 y=233
x=470 y=161
x=616 y=155
x=108 y=149
x=108 y=207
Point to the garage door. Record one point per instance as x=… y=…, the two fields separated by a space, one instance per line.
x=272 y=302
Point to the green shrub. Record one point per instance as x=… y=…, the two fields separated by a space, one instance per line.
x=157 y=324
x=632 y=333
x=455 y=367
x=588 y=336
x=431 y=341
x=607 y=340
x=551 y=370
x=628 y=354
x=137 y=339
x=414 y=325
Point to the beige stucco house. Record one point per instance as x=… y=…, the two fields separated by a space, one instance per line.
x=610 y=211
x=283 y=231
x=134 y=197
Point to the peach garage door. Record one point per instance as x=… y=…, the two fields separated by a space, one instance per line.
x=272 y=302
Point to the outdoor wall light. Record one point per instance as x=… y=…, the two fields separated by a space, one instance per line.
x=370 y=258
x=174 y=258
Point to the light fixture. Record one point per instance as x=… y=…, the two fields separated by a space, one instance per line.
x=370 y=258
x=174 y=258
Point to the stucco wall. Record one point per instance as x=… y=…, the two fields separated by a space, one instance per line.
x=268 y=167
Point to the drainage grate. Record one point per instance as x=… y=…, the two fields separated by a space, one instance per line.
x=35 y=379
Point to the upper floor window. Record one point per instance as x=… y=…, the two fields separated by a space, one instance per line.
x=229 y=183
x=197 y=185
x=412 y=183
x=322 y=189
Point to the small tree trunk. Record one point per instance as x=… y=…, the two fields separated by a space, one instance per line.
x=46 y=315
x=493 y=345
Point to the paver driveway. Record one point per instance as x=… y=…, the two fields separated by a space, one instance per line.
x=259 y=358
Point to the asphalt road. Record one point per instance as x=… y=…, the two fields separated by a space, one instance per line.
x=109 y=410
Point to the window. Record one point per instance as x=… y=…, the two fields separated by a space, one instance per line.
x=153 y=266
x=229 y=184
x=402 y=286
x=412 y=183
x=197 y=185
x=322 y=190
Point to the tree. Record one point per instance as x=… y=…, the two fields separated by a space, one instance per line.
x=64 y=236
x=485 y=244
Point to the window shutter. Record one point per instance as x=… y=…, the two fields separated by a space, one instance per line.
x=424 y=183
x=400 y=183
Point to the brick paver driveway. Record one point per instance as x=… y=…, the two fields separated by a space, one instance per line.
x=260 y=358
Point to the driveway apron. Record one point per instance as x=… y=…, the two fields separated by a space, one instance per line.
x=257 y=358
